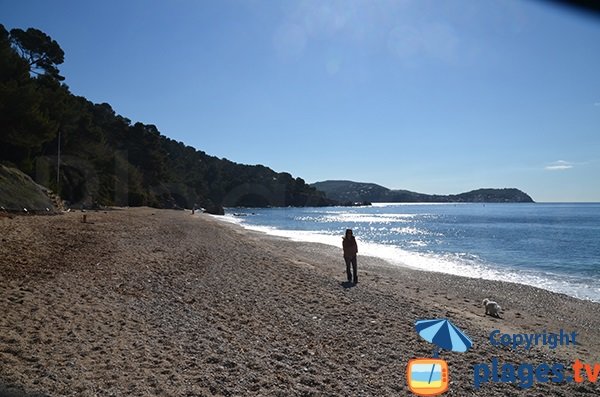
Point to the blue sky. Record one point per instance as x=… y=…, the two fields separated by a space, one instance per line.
x=430 y=96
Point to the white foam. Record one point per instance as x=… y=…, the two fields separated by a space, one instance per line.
x=298 y=235
x=471 y=266
x=228 y=218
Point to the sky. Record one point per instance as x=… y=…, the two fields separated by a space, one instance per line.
x=424 y=95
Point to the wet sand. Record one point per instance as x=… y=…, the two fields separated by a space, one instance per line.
x=147 y=302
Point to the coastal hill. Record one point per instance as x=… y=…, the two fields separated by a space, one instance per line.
x=105 y=159
x=349 y=191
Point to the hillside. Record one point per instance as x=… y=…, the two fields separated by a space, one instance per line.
x=105 y=159
x=19 y=193
x=349 y=191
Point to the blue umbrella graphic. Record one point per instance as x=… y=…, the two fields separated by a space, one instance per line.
x=444 y=335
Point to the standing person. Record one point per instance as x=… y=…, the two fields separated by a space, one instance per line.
x=350 y=251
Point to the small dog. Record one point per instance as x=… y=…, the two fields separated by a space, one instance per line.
x=492 y=308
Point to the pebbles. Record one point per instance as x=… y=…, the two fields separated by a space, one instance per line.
x=183 y=305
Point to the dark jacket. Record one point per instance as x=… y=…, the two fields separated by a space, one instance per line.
x=350 y=247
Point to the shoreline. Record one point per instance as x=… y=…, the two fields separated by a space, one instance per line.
x=521 y=299
x=157 y=302
x=489 y=273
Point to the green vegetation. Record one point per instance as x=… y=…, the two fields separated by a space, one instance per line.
x=107 y=160
x=348 y=191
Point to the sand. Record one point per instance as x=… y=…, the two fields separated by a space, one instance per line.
x=147 y=302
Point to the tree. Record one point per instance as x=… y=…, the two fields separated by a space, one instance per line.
x=133 y=164
x=39 y=50
x=24 y=123
x=12 y=66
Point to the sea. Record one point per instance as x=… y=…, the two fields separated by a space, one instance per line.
x=555 y=246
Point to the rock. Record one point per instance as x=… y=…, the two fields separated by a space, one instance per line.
x=20 y=194
x=214 y=209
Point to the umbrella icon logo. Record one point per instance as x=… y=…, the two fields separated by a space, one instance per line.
x=430 y=376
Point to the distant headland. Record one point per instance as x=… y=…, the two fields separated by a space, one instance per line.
x=353 y=192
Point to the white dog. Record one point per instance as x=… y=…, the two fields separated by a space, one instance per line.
x=492 y=308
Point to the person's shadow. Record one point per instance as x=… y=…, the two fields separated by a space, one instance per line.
x=347 y=284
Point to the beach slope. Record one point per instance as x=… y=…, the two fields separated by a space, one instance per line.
x=147 y=302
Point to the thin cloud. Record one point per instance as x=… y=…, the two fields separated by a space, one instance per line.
x=434 y=40
x=559 y=165
x=407 y=30
x=597 y=104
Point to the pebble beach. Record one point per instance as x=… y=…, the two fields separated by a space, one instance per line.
x=147 y=302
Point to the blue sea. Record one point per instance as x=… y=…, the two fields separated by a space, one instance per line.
x=551 y=246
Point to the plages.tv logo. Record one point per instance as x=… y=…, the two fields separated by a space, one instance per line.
x=430 y=376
